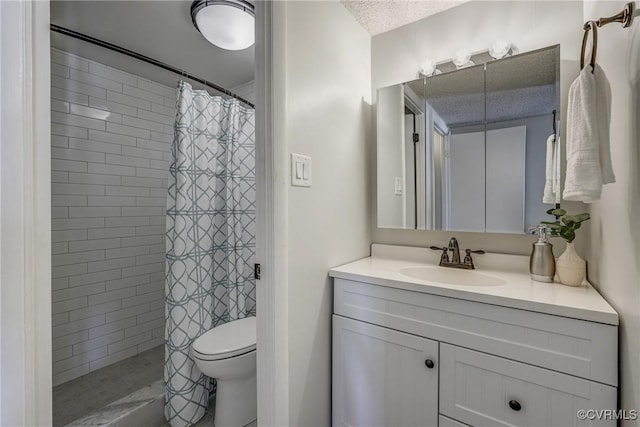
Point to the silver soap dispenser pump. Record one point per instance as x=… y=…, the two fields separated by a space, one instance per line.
x=542 y=264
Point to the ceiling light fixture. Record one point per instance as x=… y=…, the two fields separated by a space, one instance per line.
x=229 y=24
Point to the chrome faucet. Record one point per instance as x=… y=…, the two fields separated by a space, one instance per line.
x=455 y=249
x=454 y=262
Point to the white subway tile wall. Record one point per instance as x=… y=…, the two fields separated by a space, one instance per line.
x=111 y=140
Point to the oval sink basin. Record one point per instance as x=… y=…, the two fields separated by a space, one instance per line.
x=452 y=276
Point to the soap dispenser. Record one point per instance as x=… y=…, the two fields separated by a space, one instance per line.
x=542 y=264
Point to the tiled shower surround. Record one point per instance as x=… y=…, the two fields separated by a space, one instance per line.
x=111 y=138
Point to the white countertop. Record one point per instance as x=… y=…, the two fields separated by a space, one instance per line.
x=519 y=291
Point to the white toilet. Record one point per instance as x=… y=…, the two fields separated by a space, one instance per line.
x=228 y=354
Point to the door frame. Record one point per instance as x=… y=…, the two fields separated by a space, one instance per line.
x=272 y=215
x=25 y=214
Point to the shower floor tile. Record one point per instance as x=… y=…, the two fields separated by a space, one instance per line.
x=81 y=396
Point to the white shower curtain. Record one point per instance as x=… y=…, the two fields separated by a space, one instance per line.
x=210 y=237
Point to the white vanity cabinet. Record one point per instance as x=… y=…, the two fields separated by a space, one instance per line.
x=383 y=377
x=490 y=365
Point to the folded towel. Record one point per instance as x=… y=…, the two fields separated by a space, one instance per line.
x=549 y=195
x=588 y=155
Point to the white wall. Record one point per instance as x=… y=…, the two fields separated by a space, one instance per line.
x=391 y=146
x=111 y=140
x=246 y=91
x=614 y=249
x=397 y=54
x=326 y=97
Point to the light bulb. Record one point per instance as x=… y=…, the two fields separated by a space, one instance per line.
x=427 y=68
x=499 y=49
x=462 y=58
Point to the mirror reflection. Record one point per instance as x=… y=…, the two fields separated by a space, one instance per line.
x=465 y=150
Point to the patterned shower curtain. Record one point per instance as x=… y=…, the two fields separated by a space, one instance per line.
x=210 y=237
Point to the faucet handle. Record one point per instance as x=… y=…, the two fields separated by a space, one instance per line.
x=479 y=251
x=445 y=256
x=467 y=258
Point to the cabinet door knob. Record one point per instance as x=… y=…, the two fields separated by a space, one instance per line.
x=515 y=405
x=429 y=363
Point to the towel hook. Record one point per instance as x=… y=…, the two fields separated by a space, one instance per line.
x=589 y=26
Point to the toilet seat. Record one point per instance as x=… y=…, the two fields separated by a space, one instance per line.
x=213 y=357
x=228 y=340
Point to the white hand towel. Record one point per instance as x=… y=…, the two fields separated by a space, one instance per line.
x=588 y=156
x=603 y=110
x=549 y=195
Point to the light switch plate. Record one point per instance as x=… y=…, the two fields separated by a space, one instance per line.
x=300 y=170
x=397 y=186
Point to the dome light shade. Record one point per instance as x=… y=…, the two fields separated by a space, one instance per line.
x=229 y=24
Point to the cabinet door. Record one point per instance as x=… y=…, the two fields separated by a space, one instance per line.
x=383 y=377
x=483 y=390
x=448 y=422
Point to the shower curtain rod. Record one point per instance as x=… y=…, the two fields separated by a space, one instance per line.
x=136 y=55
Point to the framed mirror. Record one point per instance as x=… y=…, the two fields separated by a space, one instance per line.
x=465 y=150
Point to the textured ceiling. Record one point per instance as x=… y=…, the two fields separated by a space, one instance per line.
x=160 y=29
x=379 y=16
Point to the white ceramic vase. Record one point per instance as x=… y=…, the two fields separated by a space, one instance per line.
x=570 y=267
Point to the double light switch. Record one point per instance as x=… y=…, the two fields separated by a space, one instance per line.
x=300 y=170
